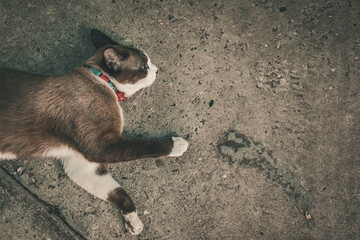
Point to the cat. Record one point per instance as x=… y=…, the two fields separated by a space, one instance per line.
x=77 y=118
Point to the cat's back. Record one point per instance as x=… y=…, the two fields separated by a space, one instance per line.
x=15 y=83
x=17 y=91
x=17 y=76
x=24 y=94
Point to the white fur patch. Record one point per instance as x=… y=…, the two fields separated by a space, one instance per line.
x=122 y=118
x=133 y=223
x=59 y=152
x=83 y=172
x=130 y=89
x=180 y=146
x=7 y=156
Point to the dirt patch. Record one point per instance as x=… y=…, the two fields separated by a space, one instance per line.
x=242 y=151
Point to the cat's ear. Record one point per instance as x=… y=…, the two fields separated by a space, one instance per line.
x=113 y=59
x=100 y=39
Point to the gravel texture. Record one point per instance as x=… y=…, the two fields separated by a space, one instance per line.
x=266 y=92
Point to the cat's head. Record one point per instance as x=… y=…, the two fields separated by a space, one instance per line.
x=130 y=67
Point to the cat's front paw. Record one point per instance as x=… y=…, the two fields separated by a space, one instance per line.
x=179 y=147
x=133 y=223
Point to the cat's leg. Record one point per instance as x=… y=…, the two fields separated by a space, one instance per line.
x=122 y=149
x=94 y=178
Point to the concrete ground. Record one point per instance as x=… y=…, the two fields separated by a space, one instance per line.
x=266 y=92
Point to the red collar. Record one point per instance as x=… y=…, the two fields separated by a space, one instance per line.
x=120 y=95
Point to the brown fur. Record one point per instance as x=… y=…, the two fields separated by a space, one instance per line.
x=132 y=66
x=79 y=111
x=38 y=113
x=122 y=200
x=101 y=170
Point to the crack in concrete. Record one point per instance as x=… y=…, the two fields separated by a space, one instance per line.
x=238 y=148
x=53 y=210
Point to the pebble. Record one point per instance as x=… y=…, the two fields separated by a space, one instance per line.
x=211 y=103
x=19 y=170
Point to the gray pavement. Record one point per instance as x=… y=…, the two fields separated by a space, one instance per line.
x=24 y=216
x=266 y=93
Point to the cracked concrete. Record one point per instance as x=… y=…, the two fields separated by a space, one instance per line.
x=23 y=215
x=266 y=92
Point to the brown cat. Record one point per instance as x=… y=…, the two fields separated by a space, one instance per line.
x=77 y=118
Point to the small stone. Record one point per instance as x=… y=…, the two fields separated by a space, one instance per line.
x=211 y=103
x=19 y=170
x=159 y=163
x=146 y=212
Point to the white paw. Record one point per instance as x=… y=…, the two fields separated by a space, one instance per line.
x=133 y=223
x=180 y=146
